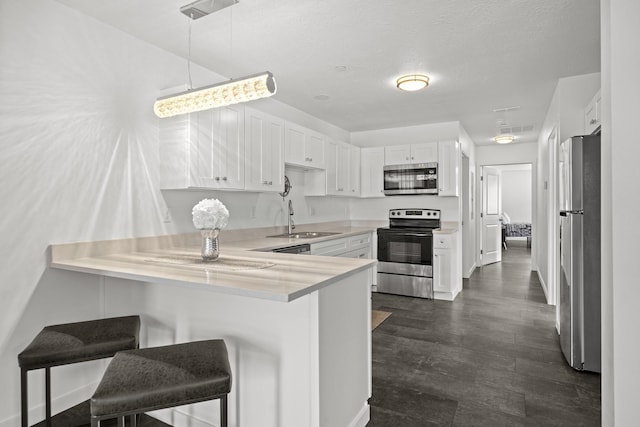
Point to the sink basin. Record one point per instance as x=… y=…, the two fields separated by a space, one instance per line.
x=306 y=234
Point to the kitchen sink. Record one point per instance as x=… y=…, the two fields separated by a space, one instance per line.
x=305 y=234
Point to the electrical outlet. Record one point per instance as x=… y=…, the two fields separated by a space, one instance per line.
x=312 y=211
x=167 y=215
x=252 y=212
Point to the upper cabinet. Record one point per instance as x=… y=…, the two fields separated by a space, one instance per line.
x=449 y=159
x=203 y=150
x=303 y=147
x=264 y=146
x=354 y=171
x=592 y=114
x=414 y=153
x=371 y=175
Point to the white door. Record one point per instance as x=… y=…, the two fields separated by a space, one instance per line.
x=491 y=226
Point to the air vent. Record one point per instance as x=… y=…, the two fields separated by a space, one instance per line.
x=201 y=8
x=515 y=129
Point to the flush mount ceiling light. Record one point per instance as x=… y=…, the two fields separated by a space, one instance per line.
x=412 y=82
x=246 y=89
x=234 y=91
x=504 y=139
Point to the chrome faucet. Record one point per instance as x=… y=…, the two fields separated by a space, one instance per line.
x=290 y=224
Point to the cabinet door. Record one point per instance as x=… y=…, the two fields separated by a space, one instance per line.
x=354 y=171
x=371 y=168
x=448 y=168
x=294 y=144
x=314 y=149
x=342 y=169
x=264 y=145
x=424 y=153
x=397 y=155
x=205 y=170
x=442 y=270
x=230 y=139
x=331 y=165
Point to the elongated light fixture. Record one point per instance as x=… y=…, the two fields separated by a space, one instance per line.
x=262 y=85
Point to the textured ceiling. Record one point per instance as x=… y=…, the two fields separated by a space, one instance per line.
x=481 y=54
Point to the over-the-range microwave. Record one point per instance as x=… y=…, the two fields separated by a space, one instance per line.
x=417 y=178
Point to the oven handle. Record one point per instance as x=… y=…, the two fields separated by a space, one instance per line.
x=412 y=234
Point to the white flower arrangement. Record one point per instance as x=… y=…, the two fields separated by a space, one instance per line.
x=210 y=214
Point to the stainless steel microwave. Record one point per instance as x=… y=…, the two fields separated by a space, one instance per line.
x=418 y=178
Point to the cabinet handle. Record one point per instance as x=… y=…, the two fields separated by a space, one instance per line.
x=265 y=182
x=412 y=157
x=406 y=158
x=270 y=182
x=224 y=178
x=311 y=159
x=217 y=178
x=593 y=122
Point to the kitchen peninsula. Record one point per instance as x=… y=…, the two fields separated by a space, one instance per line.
x=297 y=326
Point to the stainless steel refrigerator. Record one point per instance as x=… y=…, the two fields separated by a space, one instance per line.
x=579 y=178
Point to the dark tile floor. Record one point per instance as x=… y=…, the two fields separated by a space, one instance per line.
x=490 y=358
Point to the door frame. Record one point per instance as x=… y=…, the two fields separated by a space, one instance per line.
x=534 y=212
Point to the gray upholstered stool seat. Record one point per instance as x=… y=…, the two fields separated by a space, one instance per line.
x=143 y=380
x=72 y=343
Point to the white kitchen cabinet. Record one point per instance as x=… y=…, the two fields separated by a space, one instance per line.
x=264 y=146
x=447 y=280
x=592 y=114
x=413 y=153
x=203 y=150
x=449 y=162
x=303 y=147
x=351 y=247
x=354 y=171
x=371 y=172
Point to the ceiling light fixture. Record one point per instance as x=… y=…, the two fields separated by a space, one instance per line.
x=504 y=139
x=412 y=82
x=235 y=91
x=246 y=89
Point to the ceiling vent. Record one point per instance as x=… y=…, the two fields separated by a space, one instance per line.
x=516 y=129
x=201 y=8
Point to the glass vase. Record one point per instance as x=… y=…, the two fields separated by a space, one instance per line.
x=210 y=250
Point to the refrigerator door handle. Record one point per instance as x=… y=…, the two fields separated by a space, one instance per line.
x=573 y=212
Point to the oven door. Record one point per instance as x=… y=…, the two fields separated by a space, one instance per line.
x=406 y=246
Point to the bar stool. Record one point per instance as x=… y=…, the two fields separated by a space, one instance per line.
x=138 y=381
x=68 y=343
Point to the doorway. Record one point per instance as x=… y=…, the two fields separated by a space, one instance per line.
x=506 y=215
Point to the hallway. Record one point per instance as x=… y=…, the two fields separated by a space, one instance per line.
x=491 y=357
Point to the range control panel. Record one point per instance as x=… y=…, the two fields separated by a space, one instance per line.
x=414 y=214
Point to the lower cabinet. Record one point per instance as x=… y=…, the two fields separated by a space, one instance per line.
x=358 y=246
x=447 y=279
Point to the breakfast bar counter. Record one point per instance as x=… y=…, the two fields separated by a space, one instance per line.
x=297 y=326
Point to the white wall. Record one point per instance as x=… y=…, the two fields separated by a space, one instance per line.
x=79 y=155
x=565 y=118
x=620 y=204
x=516 y=195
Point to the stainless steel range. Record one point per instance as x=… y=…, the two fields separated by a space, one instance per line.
x=405 y=252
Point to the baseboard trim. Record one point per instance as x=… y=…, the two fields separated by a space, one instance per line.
x=470 y=272
x=544 y=286
x=362 y=418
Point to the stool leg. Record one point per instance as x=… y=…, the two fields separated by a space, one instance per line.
x=223 y=411
x=95 y=422
x=24 y=397
x=134 y=420
x=121 y=421
x=47 y=394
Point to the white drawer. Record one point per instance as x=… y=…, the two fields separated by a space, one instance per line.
x=361 y=240
x=442 y=241
x=330 y=247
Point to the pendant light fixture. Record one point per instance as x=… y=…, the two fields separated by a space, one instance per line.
x=412 y=82
x=234 y=91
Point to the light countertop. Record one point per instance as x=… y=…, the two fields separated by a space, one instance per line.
x=242 y=269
